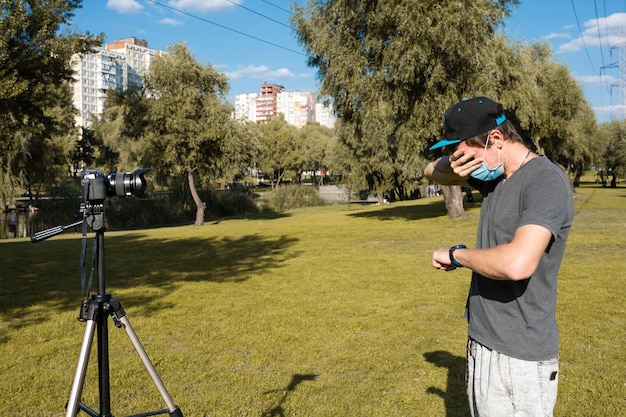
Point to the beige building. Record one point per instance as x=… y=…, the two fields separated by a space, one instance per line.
x=297 y=107
x=120 y=65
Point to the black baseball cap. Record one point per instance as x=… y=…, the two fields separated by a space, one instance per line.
x=469 y=118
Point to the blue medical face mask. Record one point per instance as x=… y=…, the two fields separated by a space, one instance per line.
x=484 y=173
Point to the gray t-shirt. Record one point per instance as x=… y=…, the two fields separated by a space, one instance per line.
x=517 y=318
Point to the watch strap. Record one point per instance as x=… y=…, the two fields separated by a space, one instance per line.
x=453 y=261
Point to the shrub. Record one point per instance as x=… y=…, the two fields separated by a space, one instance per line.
x=289 y=197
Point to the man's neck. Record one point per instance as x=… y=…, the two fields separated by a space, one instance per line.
x=518 y=154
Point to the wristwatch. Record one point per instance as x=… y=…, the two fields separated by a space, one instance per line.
x=454 y=261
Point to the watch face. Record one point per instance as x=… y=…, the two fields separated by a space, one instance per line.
x=452 y=260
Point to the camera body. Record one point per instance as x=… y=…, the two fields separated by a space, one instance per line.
x=121 y=184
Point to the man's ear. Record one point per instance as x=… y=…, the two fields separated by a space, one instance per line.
x=496 y=138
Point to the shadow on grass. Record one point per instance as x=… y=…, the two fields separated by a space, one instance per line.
x=432 y=209
x=277 y=410
x=266 y=215
x=48 y=274
x=454 y=396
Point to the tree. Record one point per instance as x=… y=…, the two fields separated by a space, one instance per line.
x=120 y=129
x=546 y=104
x=317 y=142
x=35 y=52
x=581 y=147
x=241 y=146
x=392 y=68
x=615 y=153
x=540 y=95
x=189 y=119
x=82 y=156
x=281 y=152
x=43 y=158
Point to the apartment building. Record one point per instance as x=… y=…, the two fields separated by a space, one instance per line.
x=124 y=63
x=120 y=65
x=325 y=115
x=297 y=107
x=267 y=102
x=245 y=107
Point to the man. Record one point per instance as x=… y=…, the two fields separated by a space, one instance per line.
x=525 y=218
x=12 y=219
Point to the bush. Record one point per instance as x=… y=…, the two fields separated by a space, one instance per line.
x=172 y=207
x=289 y=197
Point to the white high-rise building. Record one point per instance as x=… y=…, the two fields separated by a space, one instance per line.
x=245 y=107
x=297 y=107
x=94 y=74
x=138 y=57
x=324 y=115
x=120 y=65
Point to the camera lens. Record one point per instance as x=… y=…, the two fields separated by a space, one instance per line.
x=124 y=184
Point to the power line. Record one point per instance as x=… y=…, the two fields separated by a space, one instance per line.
x=278 y=7
x=582 y=37
x=595 y=4
x=257 y=13
x=226 y=28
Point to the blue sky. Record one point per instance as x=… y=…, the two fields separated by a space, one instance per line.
x=251 y=42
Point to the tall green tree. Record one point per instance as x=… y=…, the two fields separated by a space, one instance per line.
x=553 y=101
x=189 y=119
x=83 y=154
x=581 y=148
x=614 y=134
x=281 y=151
x=546 y=103
x=317 y=143
x=392 y=67
x=35 y=51
x=44 y=157
x=121 y=128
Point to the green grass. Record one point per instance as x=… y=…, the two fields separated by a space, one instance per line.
x=315 y=312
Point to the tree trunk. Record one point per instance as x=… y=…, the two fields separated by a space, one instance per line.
x=200 y=205
x=453 y=197
x=537 y=142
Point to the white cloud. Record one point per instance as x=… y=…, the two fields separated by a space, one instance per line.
x=250 y=70
x=557 y=36
x=202 y=5
x=259 y=72
x=608 y=113
x=281 y=72
x=605 y=32
x=124 y=6
x=170 y=22
x=595 y=80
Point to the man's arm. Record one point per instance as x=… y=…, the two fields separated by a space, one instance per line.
x=440 y=172
x=453 y=169
x=514 y=261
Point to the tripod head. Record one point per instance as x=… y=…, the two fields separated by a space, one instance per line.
x=91 y=215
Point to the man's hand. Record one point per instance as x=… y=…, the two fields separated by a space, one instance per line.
x=441 y=260
x=463 y=162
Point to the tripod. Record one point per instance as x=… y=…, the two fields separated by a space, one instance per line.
x=94 y=312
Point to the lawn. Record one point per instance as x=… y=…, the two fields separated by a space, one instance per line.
x=328 y=311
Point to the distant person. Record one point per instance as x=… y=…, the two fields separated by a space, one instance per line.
x=12 y=220
x=525 y=218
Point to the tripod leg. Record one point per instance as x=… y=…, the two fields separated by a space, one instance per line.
x=174 y=411
x=81 y=370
